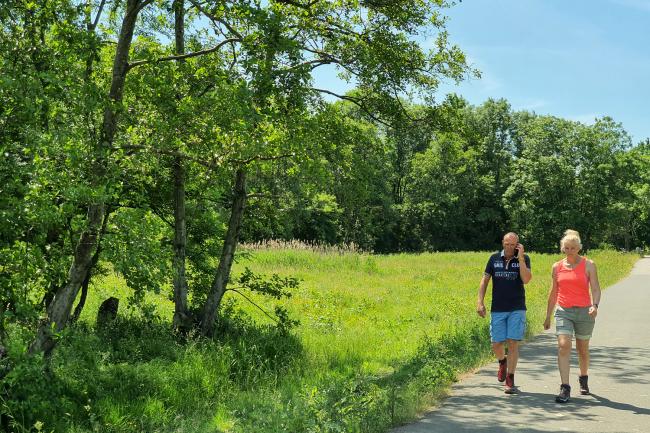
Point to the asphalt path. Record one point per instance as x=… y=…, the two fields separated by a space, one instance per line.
x=619 y=378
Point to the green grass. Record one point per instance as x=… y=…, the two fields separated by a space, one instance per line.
x=377 y=309
x=380 y=337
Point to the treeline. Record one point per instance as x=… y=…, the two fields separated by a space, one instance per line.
x=138 y=136
x=149 y=138
x=456 y=177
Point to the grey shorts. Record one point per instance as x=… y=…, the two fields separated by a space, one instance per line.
x=574 y=320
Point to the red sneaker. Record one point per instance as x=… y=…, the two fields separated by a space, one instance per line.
x=510 y=387
x=503 y=369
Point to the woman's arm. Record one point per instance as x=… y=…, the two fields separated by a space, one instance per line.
x=592 y=274
x=552 y=298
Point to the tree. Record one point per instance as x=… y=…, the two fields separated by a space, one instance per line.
x=58 y=311
x=257 y=66
x=277 y=46
x=568 y=176
x=441 y=191
x=546 y=180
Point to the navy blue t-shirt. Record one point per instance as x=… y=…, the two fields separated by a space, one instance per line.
x=508 y=292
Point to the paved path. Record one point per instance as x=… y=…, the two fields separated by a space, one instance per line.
x=619 y=378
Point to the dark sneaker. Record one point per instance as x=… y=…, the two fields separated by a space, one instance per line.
x=510 y=387
x=565 y=393
x=503 y=368
x=584 y=385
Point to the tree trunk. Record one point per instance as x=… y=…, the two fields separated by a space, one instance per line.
x=179 y=26
x=84 y=295
x=227 y=255
x=182 y=319
x=58 y=312
x=181 y=315
x=93 y=262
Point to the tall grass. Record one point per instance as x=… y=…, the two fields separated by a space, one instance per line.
x=380 y=337
x=376 y=309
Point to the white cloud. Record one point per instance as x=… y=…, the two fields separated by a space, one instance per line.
x=643 y=5
x=533 y=105
x=587 y=119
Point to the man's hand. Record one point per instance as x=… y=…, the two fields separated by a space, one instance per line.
x=547 y=323
x=480 y=309
x=593 y=311
x=520 y=252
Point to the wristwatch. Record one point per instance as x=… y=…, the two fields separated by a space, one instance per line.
x=594 y=305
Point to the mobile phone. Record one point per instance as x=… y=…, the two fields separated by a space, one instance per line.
x=516 y=252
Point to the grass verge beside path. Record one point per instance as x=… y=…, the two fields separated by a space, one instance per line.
x=380 y=338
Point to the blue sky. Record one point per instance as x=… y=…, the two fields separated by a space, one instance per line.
x=575 y=59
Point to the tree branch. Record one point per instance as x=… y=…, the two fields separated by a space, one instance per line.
x=297 y=4
x=143 y=5
x=337 y=28
x=215 y=20
x=261 y=195
x=405 y=111
x=213 y=163
x=99 y=13
x=355 y=101
x=160 y=215
x=185 y=56
x=249 y=300
x=261 y=158
x=312 y=63
x=332 y=60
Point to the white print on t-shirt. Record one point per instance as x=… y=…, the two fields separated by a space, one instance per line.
x=506 y=275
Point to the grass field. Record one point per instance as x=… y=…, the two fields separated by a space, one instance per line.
x=379 y=338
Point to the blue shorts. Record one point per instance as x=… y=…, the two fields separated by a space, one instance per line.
x=507 y=325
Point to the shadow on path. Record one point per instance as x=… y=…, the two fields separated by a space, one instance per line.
x=602 y=401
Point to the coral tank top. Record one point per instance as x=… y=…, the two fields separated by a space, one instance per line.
x=573 y=285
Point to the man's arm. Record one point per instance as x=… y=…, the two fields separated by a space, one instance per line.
x=524 y=270
x=482 y=288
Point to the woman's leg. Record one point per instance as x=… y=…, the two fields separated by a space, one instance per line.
x=564 y=343
x=582 y=346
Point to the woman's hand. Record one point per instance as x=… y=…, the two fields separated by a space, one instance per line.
x=480 y=309
x=593 y=311
x=547 y=323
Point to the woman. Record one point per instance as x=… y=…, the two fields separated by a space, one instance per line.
x=577 y=307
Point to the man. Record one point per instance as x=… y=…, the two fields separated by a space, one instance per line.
x=509 y=270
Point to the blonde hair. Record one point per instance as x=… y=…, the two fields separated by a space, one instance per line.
x=570 y=236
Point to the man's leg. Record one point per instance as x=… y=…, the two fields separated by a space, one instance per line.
x=513 y=355
x=500 y=352
x=499 y=349
x=498 y=333
x=516 y=329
